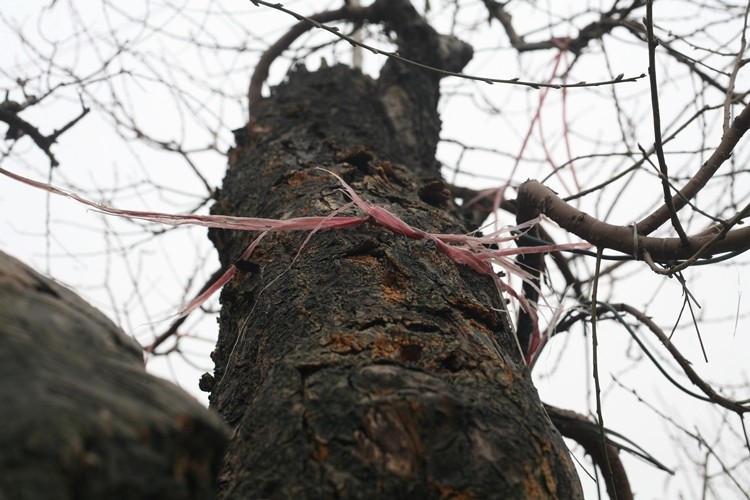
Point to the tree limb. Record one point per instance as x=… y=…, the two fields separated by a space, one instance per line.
x=577 y=427
x=17 y=127
x=625 y=239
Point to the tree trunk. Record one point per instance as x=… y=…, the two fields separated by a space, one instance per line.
x=79 y=415
x=365 y=364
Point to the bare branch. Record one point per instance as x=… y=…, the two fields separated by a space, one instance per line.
x=586 y=433
x=658 y=147
x=624 y=239
x=377 y=12
x=17 y=127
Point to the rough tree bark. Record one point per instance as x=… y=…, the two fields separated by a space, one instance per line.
x=365 y=364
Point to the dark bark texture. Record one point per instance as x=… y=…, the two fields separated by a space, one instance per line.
x=365 y=364
x=79 y=416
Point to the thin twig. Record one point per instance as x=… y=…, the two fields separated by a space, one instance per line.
x=698 y=438
x=595 y=344
x=685 y=365
x=638 y=163
x=371 y=12
x=706 y=248
x=592 y=31
x=18 y=127
x=723 y=151
x=174 y=327
x=658 y=147
x=580 y=429
x=733 y=77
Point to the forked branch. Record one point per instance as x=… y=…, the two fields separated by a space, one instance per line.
x=539 y=199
